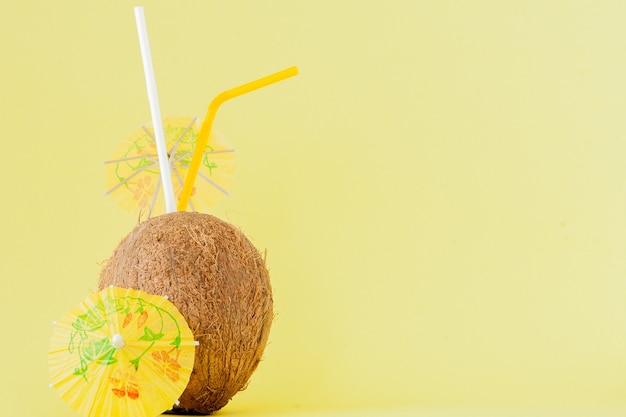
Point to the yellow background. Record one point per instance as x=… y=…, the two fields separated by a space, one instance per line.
x=441 y=191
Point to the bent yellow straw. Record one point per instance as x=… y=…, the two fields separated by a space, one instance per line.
x=205 y=129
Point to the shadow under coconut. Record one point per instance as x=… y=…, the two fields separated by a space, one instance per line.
x=181 y=412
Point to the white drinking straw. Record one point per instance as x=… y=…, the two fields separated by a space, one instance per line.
x=159 y=138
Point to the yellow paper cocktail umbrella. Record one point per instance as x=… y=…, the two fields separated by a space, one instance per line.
x=134 y=179
x=121 y=352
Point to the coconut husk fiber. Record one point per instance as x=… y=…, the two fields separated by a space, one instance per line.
x=218 y=281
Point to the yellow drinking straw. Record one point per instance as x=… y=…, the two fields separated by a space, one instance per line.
x=205 y=129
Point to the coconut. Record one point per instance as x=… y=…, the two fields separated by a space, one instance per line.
x=219 y=282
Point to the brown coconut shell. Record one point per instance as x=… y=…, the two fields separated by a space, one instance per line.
x=218 y=281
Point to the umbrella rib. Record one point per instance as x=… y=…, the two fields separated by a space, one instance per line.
x=201 y=175
x=125 y=180
x=150 y=135
x=154 y=196
x=186 y=154
x=175 y=146
x=150 y=157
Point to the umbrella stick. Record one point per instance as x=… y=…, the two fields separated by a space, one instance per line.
x=207 y=124
x=153 y=98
